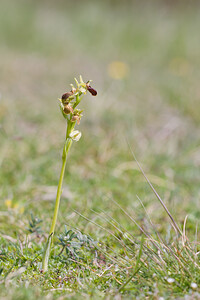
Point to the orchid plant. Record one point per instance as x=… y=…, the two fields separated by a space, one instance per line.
x=68 y=106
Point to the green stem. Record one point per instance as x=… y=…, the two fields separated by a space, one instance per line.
x=57 y=203
x=78 y=99
x=59 y=190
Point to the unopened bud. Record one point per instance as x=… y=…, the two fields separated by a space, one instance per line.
x=75 y=135
x=68 y=109
x=76 y=118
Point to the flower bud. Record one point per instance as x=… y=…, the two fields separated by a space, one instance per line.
x=75 y=135
x=76 y=118
x=68 y=109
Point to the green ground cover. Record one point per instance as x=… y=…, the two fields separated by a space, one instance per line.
x=144 y=61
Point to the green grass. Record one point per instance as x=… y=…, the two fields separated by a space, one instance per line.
x=155 y=107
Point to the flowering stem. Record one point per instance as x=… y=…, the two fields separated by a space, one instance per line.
x=68 y=105
x=59 y=192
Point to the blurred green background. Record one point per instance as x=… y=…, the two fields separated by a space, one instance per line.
x=144 y=60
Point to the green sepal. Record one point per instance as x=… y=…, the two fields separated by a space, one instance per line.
x=64 y=115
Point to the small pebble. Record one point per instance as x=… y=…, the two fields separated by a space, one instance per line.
x=193 y=285
x=170 y=280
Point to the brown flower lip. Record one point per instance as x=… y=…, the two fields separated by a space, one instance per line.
x=91 y=90
x=68 y=109
x=66 y=95
x=76 y=118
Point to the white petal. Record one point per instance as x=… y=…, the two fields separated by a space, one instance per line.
x=82 y=89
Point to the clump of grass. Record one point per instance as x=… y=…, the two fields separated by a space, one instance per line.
x=154 y=265
x=68 y=103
